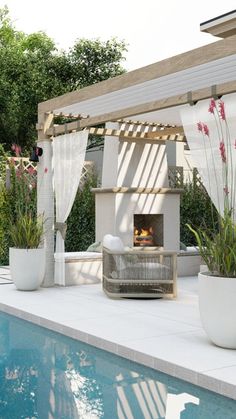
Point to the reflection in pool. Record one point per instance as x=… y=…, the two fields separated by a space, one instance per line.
x=46 y=375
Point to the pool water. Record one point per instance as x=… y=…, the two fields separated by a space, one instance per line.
x=49 y=376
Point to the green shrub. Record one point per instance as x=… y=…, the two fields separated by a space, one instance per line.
x=22 y=194
x=195 y=209
x=4 y=221
x=81 y=221
x=4 y=239
x=19 y=198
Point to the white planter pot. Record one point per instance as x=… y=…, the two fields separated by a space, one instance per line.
x=27 y=267
x=217 y=303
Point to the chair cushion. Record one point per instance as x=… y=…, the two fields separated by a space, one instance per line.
x=113 y=243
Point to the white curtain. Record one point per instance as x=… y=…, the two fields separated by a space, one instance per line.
x=68 y=160
x=205 y=150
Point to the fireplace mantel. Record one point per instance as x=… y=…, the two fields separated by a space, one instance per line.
x=124 y=189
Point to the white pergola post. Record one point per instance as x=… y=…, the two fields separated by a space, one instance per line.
x=110 y=158
x=45 y=194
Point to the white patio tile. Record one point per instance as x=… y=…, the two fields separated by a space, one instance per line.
x=189 y=350
x=227 y=374
x=164 y=334
x=120 y=328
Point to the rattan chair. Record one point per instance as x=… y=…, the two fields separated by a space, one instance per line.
x=139 y=273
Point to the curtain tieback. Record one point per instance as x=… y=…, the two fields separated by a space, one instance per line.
x=62 y=227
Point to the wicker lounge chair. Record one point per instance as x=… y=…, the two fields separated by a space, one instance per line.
x=139 y=273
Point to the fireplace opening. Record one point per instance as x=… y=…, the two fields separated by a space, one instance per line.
x=148 y=230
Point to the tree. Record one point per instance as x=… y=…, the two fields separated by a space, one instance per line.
x=32 y=70
x=92 y=61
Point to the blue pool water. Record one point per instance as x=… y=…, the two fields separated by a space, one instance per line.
x=49 y=376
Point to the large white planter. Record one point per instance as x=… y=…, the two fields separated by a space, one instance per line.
x=27 y=267
x=217 y=303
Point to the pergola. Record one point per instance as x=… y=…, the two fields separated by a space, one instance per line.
x=152 y=95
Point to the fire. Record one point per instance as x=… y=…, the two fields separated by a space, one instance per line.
x=143 y=232
x=143 y=236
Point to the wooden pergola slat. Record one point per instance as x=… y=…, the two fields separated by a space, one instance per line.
x=172 y=134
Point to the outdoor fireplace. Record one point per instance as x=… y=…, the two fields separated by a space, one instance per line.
x=148 y=230
x=135 y=201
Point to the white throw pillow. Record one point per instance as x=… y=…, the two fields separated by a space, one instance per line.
x=113 y=243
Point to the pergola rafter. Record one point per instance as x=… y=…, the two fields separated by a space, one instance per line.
x=132 y=131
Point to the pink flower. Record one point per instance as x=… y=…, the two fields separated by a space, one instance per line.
x=31 y=170
x=205 y=129
x=226 y=190
x=45 y=170
x=17 y=149
x=212 y=106
x=199 y=126
x=234 y=143
x=222 y=151
x=222 y=110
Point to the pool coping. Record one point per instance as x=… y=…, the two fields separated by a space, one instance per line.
x=200 y=379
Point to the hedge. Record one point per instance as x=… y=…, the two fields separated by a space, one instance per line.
x=195 y=209
x=81 y=221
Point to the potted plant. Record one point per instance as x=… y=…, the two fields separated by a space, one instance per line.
x=217 y=286
x=27 y=256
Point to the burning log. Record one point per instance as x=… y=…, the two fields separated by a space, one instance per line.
x=143 y=237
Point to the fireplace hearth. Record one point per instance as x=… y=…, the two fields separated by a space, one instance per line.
x=148 y=230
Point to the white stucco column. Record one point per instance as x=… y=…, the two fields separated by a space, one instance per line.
x=45 y=195
x=110 y=158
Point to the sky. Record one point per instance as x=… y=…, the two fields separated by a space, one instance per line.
x=153 y=29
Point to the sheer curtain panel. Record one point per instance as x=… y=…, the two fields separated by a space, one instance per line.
x=68 y=160
x=206 y=150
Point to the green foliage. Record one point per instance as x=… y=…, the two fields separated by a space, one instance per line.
x=34 y=70
x=218 y=246
x=19 y=198
x=202 y=226
x=4 y=237
x=3 y=208
x=195 y=209
x=94 y=60
x=81 y=222
x=218 y=250
x=3 y=163
x=22 y=194
x=27 y=231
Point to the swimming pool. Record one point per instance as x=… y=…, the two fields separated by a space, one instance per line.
x=46 y=375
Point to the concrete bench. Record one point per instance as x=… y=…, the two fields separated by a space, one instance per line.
x=82 y=267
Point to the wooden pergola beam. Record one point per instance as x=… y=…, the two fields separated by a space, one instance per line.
x=202 y=55
x=205 y=93
x=183 y=99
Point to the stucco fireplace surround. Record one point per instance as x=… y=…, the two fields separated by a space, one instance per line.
x=135 y=183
